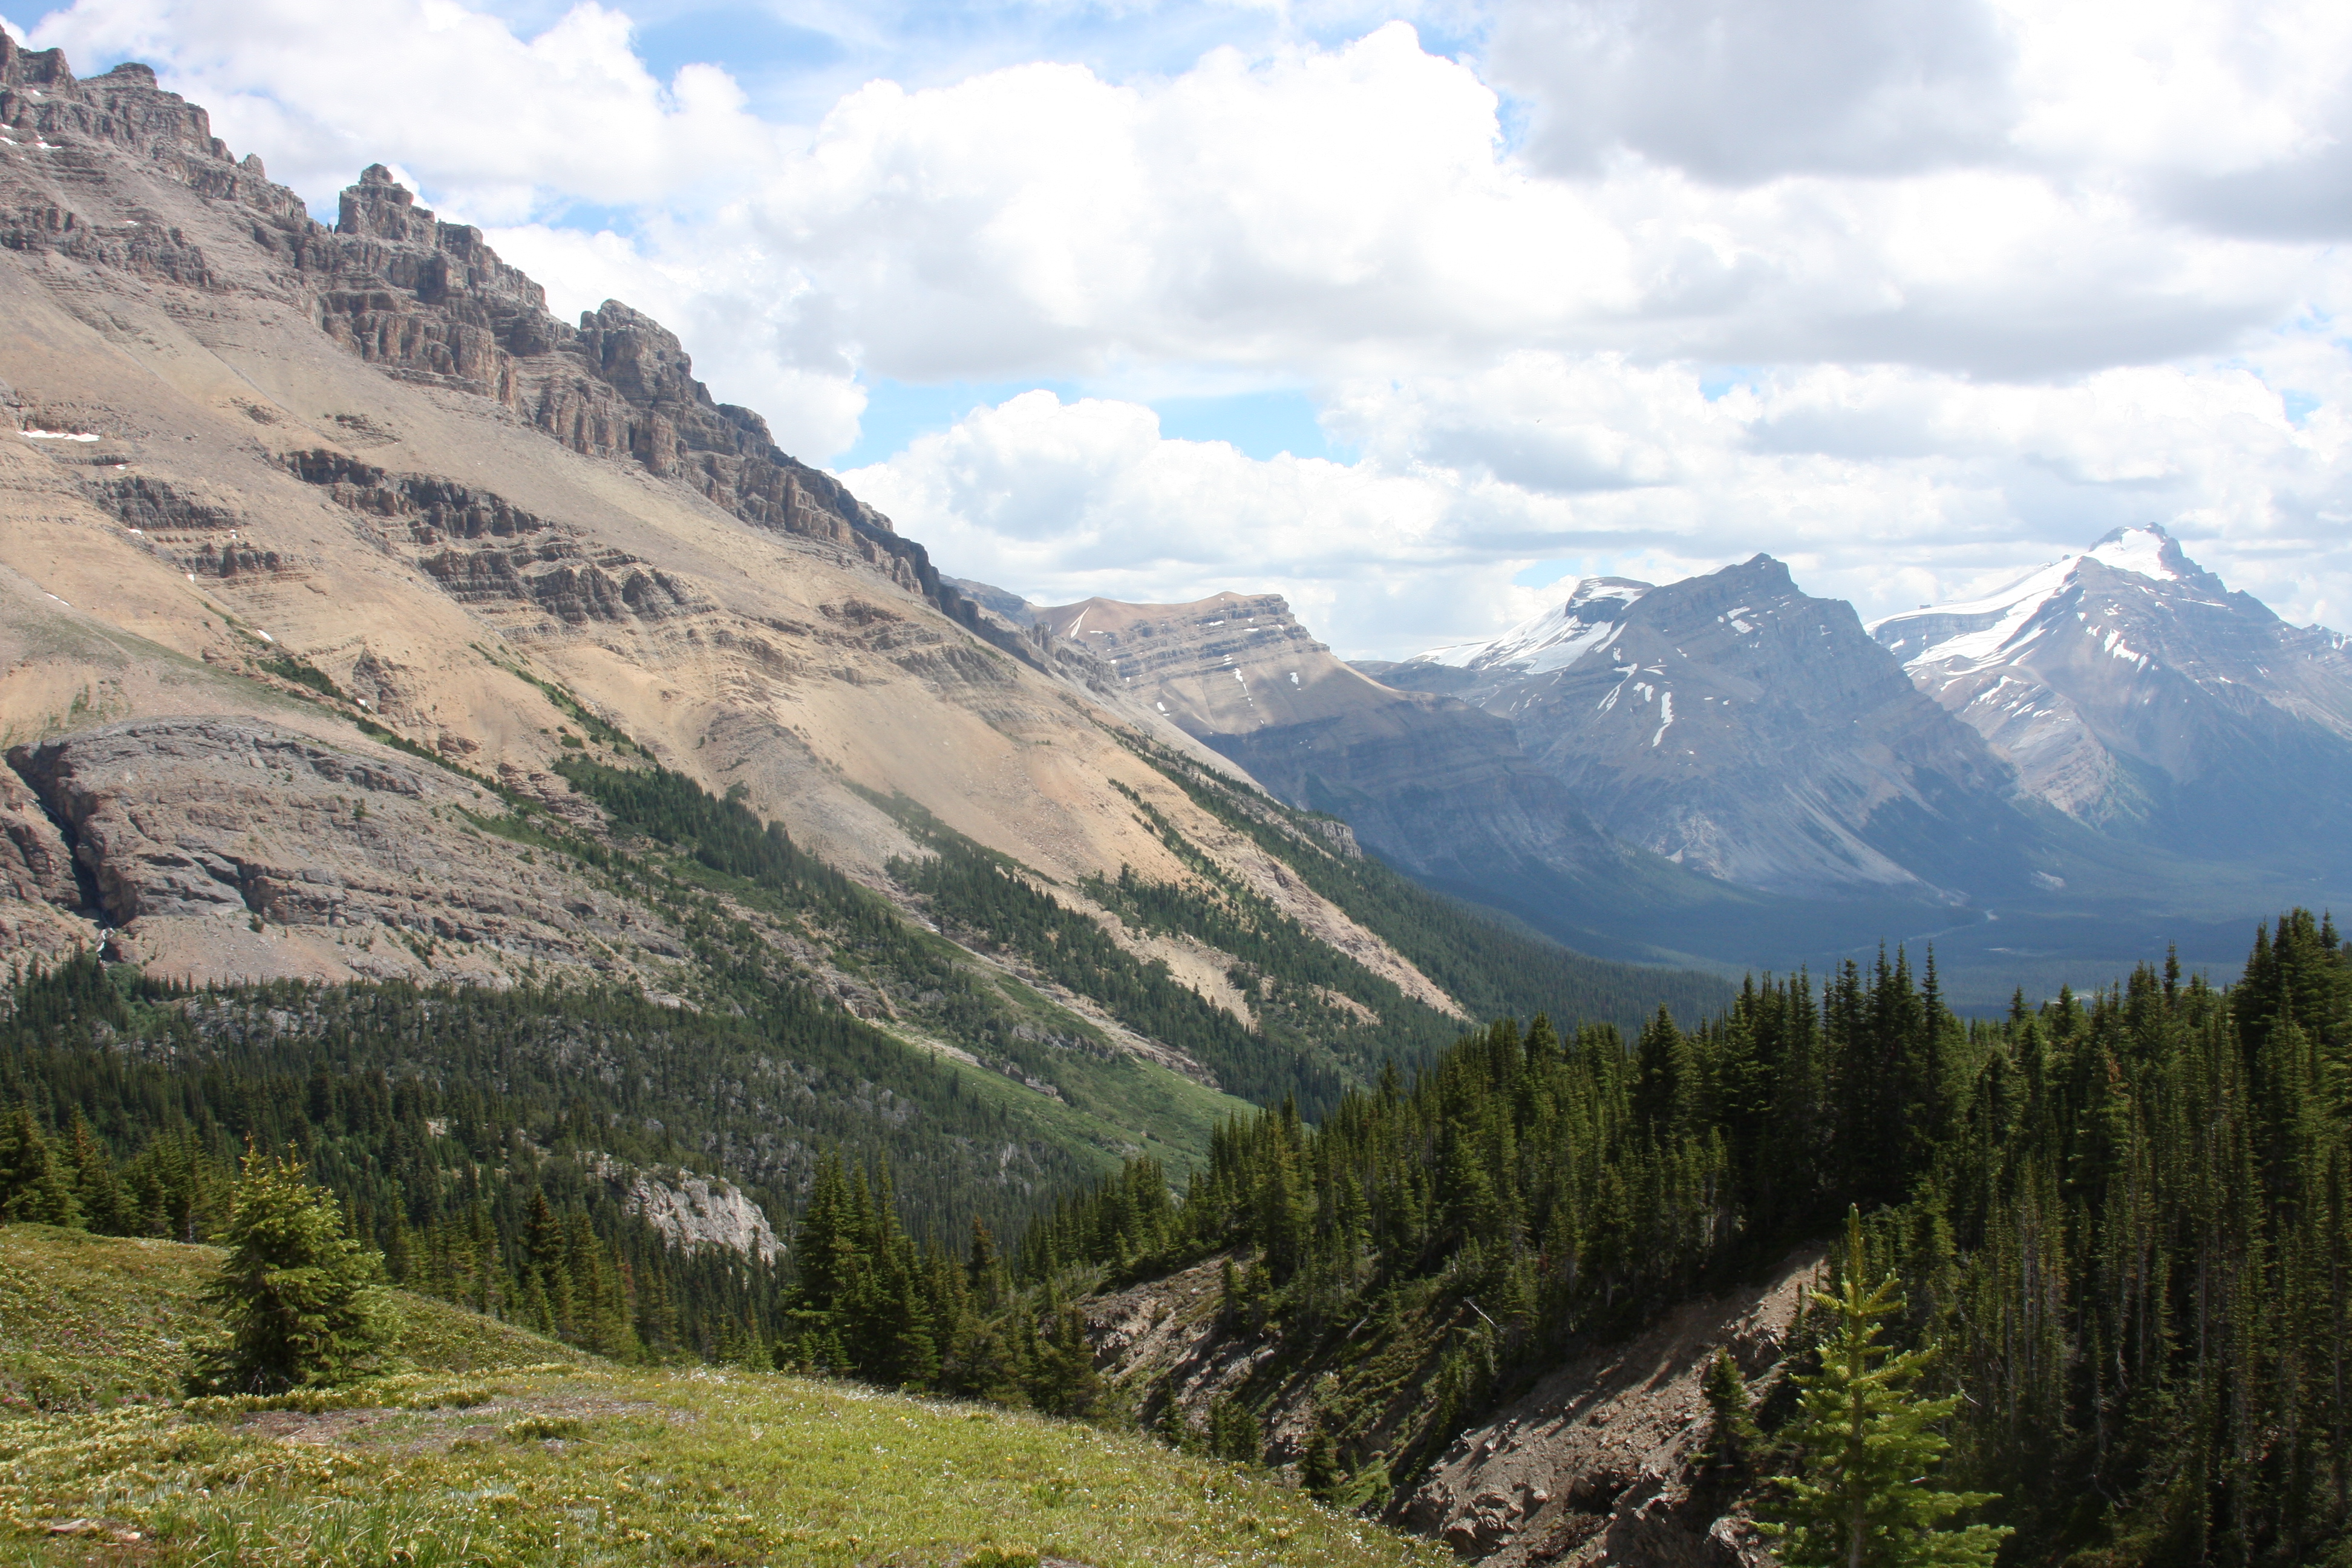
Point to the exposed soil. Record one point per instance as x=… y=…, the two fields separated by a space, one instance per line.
x=1593 y=1465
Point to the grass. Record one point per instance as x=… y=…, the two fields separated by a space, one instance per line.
x=479 y=1457
x=92 y=1321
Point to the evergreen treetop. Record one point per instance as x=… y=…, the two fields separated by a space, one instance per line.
x=1869 y=1442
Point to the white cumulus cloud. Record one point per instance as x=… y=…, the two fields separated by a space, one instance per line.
x=1910 y=293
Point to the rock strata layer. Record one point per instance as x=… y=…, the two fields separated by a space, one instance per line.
x=201 y=834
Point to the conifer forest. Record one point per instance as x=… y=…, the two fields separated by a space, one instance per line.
x=2119 y=1221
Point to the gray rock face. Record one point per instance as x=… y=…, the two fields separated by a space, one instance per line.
x=694 y=1211
x=1738 y=727
x=35 y=863
x=1598 y=1462
x=2133 y=690
x=229 y=823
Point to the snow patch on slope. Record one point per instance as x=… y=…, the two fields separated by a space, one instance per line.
x=1556 y=639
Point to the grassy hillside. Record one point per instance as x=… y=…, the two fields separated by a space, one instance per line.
x=503 y=1448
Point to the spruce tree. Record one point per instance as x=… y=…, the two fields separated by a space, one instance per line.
x=1868 y=1441
x=301 y=1295
x=96 y=1189
x=1731 y=1431
x=35 y=1184
x=1233 y=1432
x=1320 y=1474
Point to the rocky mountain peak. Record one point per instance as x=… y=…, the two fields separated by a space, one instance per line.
x=39 y=92
x=1552 y=640
x=2146 y=550
x=21 y=67
x=381 y=207
x=1733 y=723
x=2127 y=683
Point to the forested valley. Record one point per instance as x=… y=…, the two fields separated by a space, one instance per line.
x=2121 y=1217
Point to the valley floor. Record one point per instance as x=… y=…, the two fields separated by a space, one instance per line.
x=493 y=1447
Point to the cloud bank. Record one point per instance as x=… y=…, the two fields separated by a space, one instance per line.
x=1912 y=293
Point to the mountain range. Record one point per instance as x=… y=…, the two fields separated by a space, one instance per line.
x=307 y=518
x=444 y=741
x=365 y=622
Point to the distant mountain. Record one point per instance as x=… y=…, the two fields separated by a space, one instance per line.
x=1436 y=786
x=2133 y=690
x=1739 y=727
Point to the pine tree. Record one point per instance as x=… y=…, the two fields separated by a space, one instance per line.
x=299 y=1293
x=1731 y=1431
x=34 y=1185
x=1868 y=1442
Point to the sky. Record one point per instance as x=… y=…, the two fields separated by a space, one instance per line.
x=1413 y=312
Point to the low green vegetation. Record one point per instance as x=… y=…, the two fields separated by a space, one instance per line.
x=500 y=1449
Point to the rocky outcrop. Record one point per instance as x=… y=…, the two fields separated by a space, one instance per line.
x=44 y=107
x=35 y=863
x=427 y=299
x=1595 y=1464
x=482 y=549
x=189 y=831
x=43 y=909
x=693 y=1211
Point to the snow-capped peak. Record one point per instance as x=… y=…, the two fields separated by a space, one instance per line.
x=2146 y=550
x=1554 y=640
x=1977 y=630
